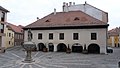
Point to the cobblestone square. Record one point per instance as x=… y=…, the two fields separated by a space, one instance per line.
x=13 y=58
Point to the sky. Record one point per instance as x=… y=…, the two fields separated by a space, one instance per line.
x=24 y=12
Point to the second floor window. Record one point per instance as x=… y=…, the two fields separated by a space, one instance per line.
x=3 y=17
x=2 y=28
x=9 y=42
x=75 y=36
x=40 y=36
x=9 y=34
x=93 y=36
x=51 y=36
x=61 y=36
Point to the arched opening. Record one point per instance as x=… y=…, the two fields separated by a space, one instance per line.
x=77 y=48
x=41 y=46
x=61 y=47
x=51 y=47
x=94 y=48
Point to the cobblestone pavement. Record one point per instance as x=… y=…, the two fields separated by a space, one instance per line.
x=14 y=56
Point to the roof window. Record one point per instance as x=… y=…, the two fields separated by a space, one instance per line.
x=47 y=21
x=76 y=18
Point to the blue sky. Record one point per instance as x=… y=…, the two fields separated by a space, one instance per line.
x=24 y=12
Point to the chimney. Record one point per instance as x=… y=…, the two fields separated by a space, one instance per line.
x=64 y=4
x=65 y=7
x=37 y=18
x=85 y=2
x=67 y=4
x=70 y=3
x=73 y=3
x=54 y=11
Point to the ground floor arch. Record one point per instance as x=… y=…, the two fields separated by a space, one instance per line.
x=94 y=48
x=77 y=48
x=41 y=46
x=51 y=47
x=61 y=47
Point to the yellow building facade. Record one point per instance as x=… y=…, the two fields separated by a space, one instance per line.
x=9 y=37
x=3 y=19
x=113 y=37
x=113 y=41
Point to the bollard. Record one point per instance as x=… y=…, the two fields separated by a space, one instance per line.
x=119 y=64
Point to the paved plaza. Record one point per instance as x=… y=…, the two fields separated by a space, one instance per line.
x=14 y=56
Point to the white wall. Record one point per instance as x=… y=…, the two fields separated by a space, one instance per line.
x=90 y=10
x=84 y=37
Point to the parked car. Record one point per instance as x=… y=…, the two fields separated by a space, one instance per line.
x=109 y=49
x=2 y=49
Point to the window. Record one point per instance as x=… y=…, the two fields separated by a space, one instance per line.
x=93 y=36
x=3 y=17
x=2 y=28
x=61 y=36
x=75 y=36
x=9 y=42
x=17 y=36
x=76 y=18
x=40 y=36
x=47 y=21
x=12 y=35
x=51 y=36
x=9 y=34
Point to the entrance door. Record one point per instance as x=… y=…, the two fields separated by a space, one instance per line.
x=77 y=48
x=61 y=47
x=94 y=48
x=51 y=47
x=41 y=46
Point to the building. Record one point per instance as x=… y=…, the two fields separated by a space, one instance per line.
x=74 y=28
x=114 y=37
x=14 y=35
x=9 y=39
x=17 y=35
x=3 y=19
x=86 y=8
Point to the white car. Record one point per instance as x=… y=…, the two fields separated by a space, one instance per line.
x=109 y=49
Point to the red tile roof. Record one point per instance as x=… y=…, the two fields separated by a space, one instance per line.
x=114 y=31
x=71 y=18
x=15 y=28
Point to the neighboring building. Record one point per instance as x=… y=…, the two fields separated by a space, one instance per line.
x=74 y=28
x=114 y=37
x=15 y=33
x=3 y=19
x=88 y=9
x=9 y=40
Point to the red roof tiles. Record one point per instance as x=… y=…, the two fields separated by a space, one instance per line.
x=114 y=32
x=17 y=29
x=71 y=18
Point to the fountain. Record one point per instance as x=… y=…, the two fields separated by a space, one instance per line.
x=29 y=46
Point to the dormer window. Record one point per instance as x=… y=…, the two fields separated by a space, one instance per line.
x=76 y=18
x=47 y=21
x=21 y=30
